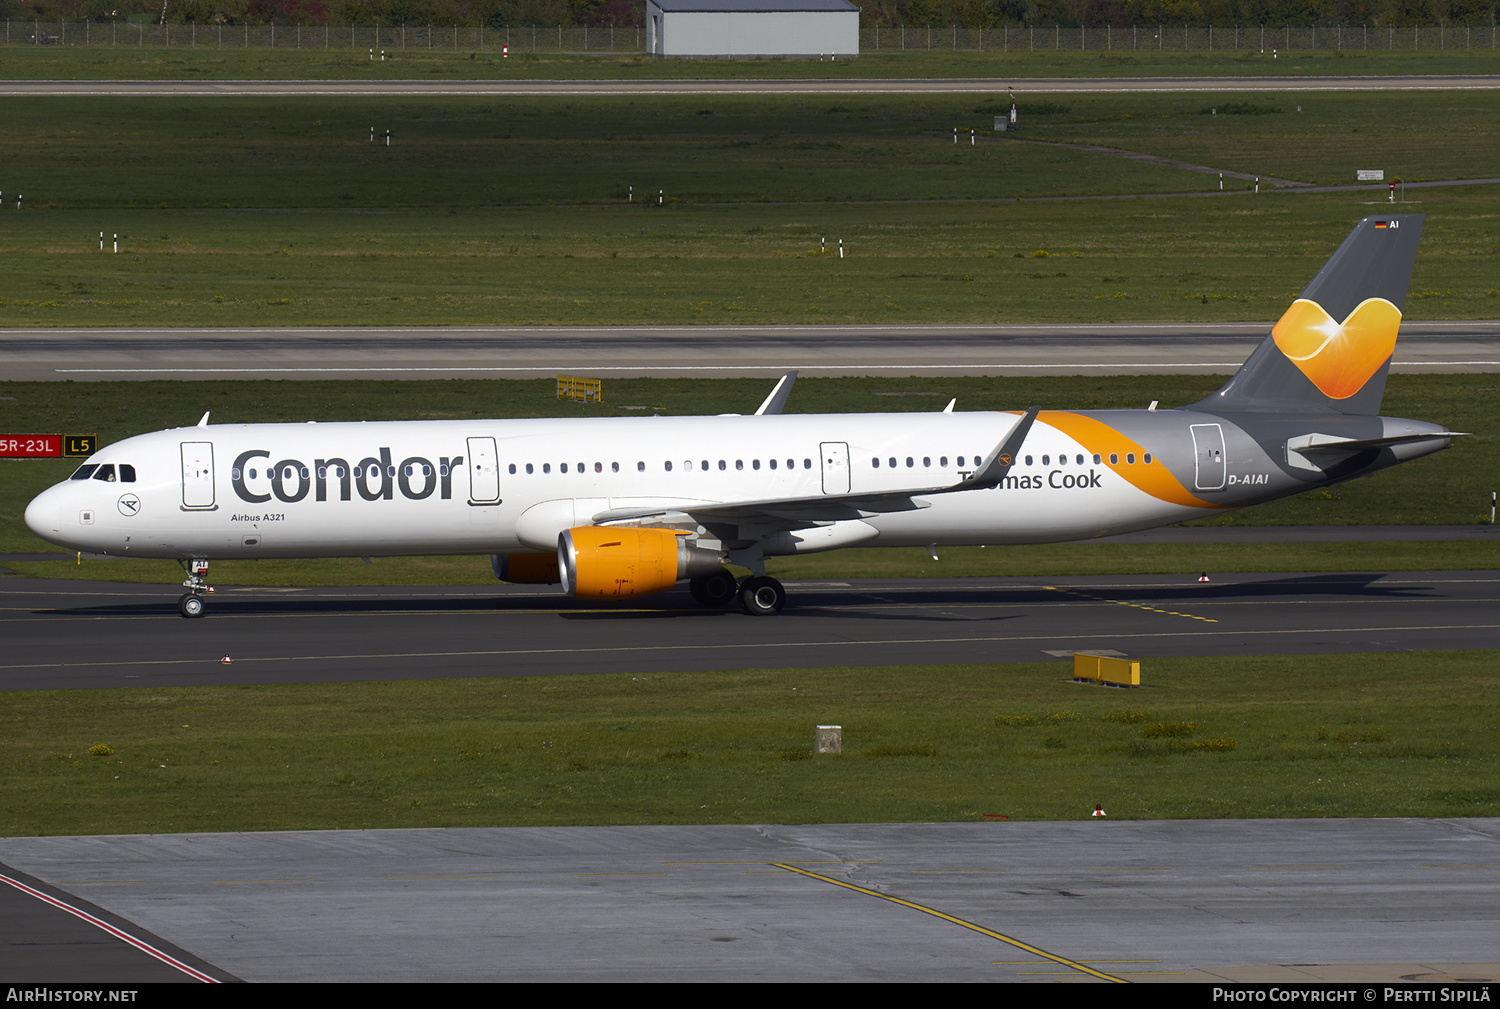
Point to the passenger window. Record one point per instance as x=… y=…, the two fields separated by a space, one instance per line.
x=910 y=462
x=773 y=463
x=127 y=473
x=738 y=464
x=1114 y=459
x=755 y=464
x=529 y=470
x=640 y=467
x=926 y=461
x=1146 y=459
x=1130 y=458
x=1028 y=460
x=960 y=460
x=669 y=465
x=875 y=462
x=512 y=469
x=807 y=464
x=1096 y=458
x=546 y=467
x=563 y=468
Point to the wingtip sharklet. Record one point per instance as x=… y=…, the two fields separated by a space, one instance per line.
x=1002 y=457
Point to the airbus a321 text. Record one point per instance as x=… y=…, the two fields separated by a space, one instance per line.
x=618 y=508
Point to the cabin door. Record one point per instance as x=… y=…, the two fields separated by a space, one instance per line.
x=198 y=475
x=1208 y=448
x=484 y=472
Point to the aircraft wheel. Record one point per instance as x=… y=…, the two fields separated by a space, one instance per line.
x=761 y=597
x=190 y=605
x=716 y=589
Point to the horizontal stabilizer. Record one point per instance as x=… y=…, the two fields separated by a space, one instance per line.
x=1318 y=451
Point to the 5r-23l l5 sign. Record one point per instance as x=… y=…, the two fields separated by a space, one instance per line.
x=47 y=446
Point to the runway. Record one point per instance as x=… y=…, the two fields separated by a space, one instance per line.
x=39 y=355
x=81 y=635
x=1360 y=902
x=663 y=88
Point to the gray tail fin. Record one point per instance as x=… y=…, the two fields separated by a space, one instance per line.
x=1331 y=351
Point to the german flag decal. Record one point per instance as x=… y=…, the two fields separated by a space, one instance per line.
x=1338 y=357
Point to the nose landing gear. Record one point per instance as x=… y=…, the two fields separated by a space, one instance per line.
x=192 y=602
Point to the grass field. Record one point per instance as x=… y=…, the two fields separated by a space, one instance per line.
x=208 y=63
x=254 y=211
x=1363 y=735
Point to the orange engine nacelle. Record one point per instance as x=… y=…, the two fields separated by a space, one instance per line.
x=526 y=569
x=604 y=563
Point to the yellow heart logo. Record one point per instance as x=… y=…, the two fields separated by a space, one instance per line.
x=1338 y=357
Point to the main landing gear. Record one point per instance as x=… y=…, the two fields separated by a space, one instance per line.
x=762 y=596
x=192 y=602
x=757 y=596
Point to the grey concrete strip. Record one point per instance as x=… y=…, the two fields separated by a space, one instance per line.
x=83 y=635
x=847 y=86
x=1349 y=900
x=148 y=353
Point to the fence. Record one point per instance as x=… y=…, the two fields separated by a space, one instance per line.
x=630 y=39
x=1177 y=38
x=519 y=38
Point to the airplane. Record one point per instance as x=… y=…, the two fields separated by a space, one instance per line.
x=616 y=508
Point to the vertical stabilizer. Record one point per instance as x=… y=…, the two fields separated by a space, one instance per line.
x=1330 y=352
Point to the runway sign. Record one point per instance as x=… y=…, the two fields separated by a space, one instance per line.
x=47 y=446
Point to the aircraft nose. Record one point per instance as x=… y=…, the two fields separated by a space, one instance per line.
x=44 y=515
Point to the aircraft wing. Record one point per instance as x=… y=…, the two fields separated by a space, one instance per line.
x=771 y=515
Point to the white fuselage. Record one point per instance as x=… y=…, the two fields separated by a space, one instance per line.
x=368 y=489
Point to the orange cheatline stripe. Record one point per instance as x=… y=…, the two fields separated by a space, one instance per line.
x=957 y=921
x=1102 y=440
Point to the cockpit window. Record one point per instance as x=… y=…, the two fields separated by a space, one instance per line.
x=127 y=473
x=85 y=471
x=105 y=473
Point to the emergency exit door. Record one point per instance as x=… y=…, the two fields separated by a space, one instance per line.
x=835 y=456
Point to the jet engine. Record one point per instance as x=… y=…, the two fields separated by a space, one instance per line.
x=526 y=569
x=600 y=562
